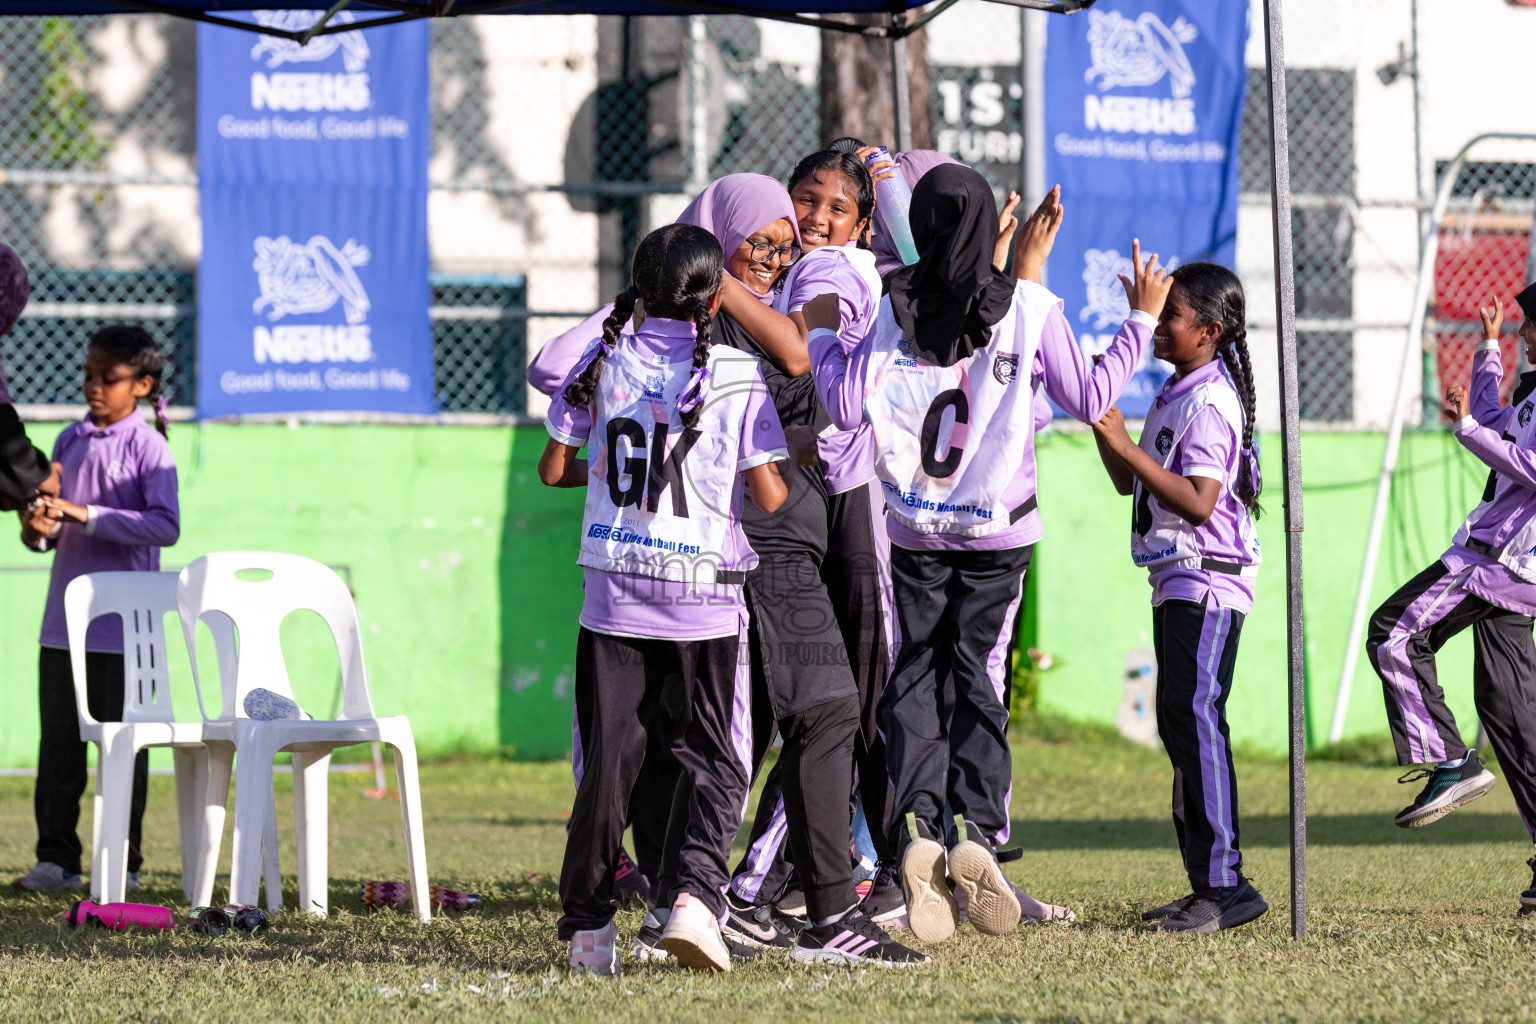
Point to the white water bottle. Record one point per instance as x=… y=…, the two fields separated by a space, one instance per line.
x=892 y=201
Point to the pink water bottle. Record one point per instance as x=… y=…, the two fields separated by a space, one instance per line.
x=120 y=916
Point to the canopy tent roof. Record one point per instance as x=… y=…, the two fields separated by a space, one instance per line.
x=388 y=12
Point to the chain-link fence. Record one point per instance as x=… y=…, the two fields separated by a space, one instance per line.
x=538 y=194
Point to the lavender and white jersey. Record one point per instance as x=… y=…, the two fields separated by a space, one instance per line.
x=1194 y=428
x=624 y=604
x=1495 y=541
x=1080 y=387
x=847 y=456
x=664 y=499
x=948 y=439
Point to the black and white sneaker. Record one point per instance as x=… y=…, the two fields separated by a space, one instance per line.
x=1446 y=790
x=886 y=904
x=856 y=941
x=1167 y=909
x=1214 y=910
x=644 y=947
x=754 y=926
x=1528 y=898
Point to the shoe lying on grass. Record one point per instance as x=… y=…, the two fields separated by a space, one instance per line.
x=594 y=952
x=1446 y=790
x=49 y=877
x=856 y=941
x=1214 y=910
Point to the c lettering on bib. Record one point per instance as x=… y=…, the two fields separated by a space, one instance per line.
x=1141 y=514
x=932 y=464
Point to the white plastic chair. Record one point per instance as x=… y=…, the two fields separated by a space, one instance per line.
x=257 y=590
x=142 y=600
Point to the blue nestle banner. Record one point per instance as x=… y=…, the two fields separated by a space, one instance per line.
x=1143 y=106
x=313 y=289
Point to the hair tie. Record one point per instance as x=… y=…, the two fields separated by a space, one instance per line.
x=1251 y=457
x=693 y=394
x=160 y=404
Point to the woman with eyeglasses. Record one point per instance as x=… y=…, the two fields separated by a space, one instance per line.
x=802 y=685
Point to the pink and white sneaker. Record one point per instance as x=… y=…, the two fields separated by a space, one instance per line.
x=692 y=936
x=593 y=952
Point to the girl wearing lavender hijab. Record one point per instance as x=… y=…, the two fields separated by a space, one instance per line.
x=1194 y=485
x=803 y=686
x=116 y=508
x=945 y=379
x=1487 y=580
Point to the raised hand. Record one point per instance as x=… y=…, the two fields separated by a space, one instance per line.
x=1037 y=235
x=1007 y=224
x=1493 y=319
x=1149 y=291
x=1458 y=404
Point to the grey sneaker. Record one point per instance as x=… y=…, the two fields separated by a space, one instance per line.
x=133 y=881
x=932 y=912
x=991 y=903
x=1445 y=790
x=49 y=877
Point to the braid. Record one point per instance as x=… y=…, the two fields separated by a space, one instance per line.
x=579 y=392
x=1234 y=353
x=703 y=326
x=156 y=397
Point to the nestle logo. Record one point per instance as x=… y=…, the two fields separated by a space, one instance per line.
x=310 y=91
x=313 y=343
x=1140 y=114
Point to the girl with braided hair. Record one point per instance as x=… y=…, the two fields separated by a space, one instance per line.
x=676 y=429
x=1194 y=482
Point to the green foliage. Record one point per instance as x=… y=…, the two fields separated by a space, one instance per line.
x=61 y=120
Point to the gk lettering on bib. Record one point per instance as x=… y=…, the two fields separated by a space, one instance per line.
x=1519 y=552
x=949 y=439
x=663 y=498
x=1158 y=535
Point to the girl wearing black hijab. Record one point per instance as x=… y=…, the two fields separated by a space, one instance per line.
x=946 y=379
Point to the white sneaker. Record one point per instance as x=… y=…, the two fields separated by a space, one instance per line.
x=593 y=952
x=692 y=936
x=49 y=877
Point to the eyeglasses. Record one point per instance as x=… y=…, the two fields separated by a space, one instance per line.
x=762 y=252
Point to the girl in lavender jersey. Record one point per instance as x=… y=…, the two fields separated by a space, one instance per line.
x=674 y=428
x=115 y=509
x=1487 y=580
x=946 y=380
x=1194 y=485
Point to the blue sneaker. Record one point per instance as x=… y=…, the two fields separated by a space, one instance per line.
x=1446 y=790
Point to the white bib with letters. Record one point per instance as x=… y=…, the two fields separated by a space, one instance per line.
x=663 y=500
x=950 y=439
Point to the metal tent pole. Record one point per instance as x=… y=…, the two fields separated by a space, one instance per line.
x=901 y=88
x=1290 y=450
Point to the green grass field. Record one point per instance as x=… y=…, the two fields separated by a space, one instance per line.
x=1404 y=925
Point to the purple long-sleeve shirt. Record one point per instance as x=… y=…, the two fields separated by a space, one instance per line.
x=126 y=478
x=1482 y=434
x=1078 y=386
